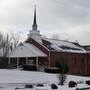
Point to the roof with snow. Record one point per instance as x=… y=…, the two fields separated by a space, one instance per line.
x=87 y=48
x=62 y=45
x=27 y=50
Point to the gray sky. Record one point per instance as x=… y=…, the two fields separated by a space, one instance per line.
x=68 y=18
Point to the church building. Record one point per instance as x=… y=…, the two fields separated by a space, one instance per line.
x=41 y=51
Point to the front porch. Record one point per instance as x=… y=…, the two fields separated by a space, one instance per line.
x=19 y=62
x=27 y=54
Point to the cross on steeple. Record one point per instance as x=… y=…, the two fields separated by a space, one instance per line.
x=34 y=26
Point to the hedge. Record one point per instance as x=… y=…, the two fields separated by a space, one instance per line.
x=52 y=70
x=30 y=68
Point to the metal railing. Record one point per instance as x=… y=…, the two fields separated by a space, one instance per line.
x=41 y=68
x=14 y=66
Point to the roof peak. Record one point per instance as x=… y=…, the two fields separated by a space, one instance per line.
x=34 y=26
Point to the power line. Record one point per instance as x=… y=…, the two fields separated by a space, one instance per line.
x=59 y=2
x=71 y=7
x=79 y=4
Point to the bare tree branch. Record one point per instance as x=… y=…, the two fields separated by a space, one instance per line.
x=55 y=36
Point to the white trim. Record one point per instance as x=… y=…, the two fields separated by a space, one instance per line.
x=27 y=39
x=81 y=52
x=14 y=49
x=41 y=44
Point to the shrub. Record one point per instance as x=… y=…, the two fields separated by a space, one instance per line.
x=30 y=68
x=88 y=82
x=16 y=88
x=28 y=86
x=52 y=70
x=40 y=85
x=72 y=84
x=53 y=86
x=62 y=64
x=62 y=79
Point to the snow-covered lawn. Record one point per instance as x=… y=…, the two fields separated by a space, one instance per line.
x=10 y=79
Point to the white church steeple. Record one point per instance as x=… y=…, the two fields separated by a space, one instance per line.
x=34 y=26
x=34 y=33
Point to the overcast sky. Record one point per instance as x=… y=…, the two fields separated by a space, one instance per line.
x=70 y=19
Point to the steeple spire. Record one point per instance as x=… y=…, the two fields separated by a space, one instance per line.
x=34 y=33
x=34 y=26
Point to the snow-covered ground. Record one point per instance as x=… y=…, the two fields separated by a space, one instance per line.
x=10 y=79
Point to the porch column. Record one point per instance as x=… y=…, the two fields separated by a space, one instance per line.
x=26 y=60
x=17 y=62
x=37 y=62
x=9 y=61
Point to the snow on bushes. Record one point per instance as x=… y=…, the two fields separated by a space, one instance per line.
x=40 y=85
x=87 y=82
x=28 y=86
x=72 y=84
x=54 y=86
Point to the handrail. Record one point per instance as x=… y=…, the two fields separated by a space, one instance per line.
x=41 y=68
x=21 y=66
x=15 y=66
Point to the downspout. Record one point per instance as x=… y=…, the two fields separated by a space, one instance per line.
x=86 y=59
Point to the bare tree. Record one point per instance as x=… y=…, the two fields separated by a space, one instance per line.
x=6 y=40
x=43 y=35
x=16 y=38
x=55 y=36
x=7 y=43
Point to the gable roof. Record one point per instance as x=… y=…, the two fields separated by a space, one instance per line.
x=87 y=48
x=27 y=50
